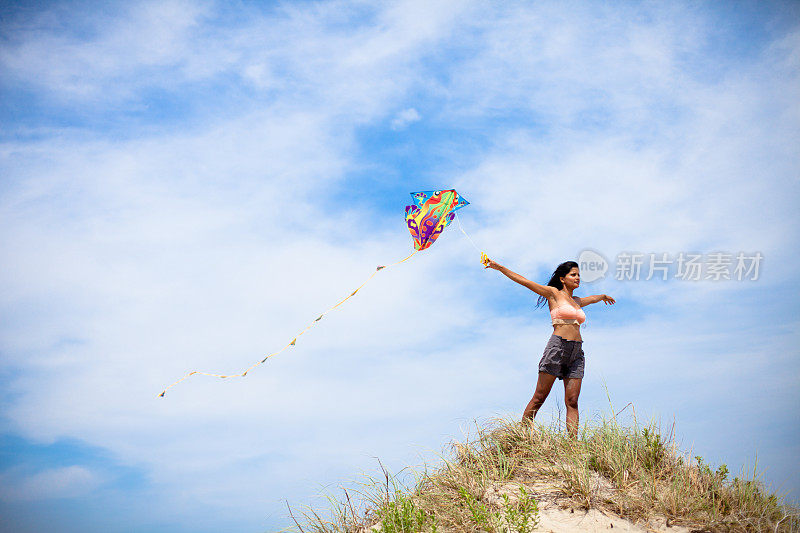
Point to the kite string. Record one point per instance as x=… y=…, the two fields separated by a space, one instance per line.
x=465 y=233
x=294 y=340
x=484 y=257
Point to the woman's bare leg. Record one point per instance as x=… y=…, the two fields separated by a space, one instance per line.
x=572 y=389
x=543 y=386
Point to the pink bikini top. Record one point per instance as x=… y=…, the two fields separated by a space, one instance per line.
x=567 y=314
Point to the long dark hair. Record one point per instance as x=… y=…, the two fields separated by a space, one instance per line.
x=561 y=271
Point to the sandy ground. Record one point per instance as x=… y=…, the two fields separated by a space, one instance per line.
x=556 y=520
x=557 y=516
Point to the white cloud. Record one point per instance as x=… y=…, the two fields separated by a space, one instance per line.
x=323 y=60
x=404 y=118
x=65 y=482
x=123 y=49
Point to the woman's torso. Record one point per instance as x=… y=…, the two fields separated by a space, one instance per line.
x=569 y=307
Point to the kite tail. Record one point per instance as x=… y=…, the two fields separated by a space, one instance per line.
x=294 y=340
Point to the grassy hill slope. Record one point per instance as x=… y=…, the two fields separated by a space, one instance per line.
x=522 y=477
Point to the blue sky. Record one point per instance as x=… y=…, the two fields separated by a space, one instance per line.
x=183 y=186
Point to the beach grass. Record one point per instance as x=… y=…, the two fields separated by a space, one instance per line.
x=494 y=481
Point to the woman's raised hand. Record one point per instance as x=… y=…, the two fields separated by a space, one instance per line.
x=607 y=299
x=491 y=264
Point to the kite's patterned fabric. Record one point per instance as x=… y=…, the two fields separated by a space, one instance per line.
x=431 y=213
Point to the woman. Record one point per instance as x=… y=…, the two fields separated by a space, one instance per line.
x=563 y=355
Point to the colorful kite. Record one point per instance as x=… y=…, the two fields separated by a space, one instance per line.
x=426 y=219
x=431 y=213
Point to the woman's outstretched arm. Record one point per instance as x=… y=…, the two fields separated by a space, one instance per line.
x=588 y=300
x=542 y=290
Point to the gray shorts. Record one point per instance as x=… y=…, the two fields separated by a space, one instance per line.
x=562 y=358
